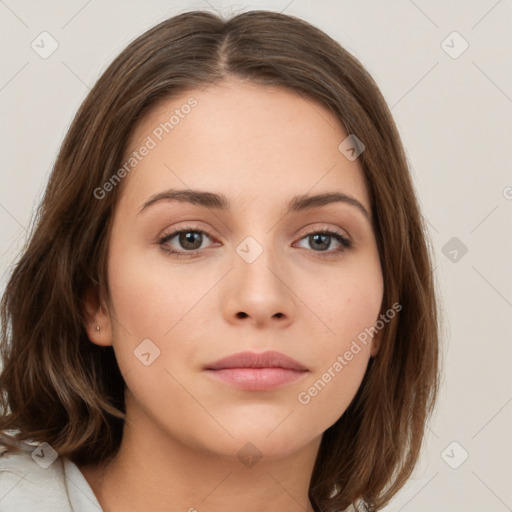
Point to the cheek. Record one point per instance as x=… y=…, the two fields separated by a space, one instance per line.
x=149 y=294
x=344 y=301
x=158 y=301
x=348 y=304
x=329 y=392
x=153 y=309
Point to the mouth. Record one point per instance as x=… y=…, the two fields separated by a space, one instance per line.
x=257 y=371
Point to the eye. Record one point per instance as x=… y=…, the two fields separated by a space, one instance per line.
x=191 y=239
x=322 y=239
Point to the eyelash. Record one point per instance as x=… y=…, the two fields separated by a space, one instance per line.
x=345 y=242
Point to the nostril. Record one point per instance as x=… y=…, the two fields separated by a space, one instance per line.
x=241 y=314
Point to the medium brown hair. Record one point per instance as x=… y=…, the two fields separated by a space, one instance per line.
x=63 y=389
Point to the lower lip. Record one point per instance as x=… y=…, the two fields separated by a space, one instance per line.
x=257 y=379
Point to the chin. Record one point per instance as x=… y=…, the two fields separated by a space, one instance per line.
x=266 y=441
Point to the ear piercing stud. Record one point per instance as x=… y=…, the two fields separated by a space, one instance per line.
x=97 y=327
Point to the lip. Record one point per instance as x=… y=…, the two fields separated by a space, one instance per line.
x=268 y=359
x=253 y=371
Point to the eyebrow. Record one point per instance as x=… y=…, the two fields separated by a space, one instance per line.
x=220 y=202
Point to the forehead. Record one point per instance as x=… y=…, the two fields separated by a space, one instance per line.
x=245 y=141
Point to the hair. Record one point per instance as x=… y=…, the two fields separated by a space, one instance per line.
x=59 y=387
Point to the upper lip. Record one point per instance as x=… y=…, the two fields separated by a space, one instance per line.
x=269 y=359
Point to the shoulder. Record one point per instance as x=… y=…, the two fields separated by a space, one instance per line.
x=32 y=479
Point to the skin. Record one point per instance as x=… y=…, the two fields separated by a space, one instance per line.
x=259 y=146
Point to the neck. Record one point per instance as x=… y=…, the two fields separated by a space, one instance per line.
x=155 y=471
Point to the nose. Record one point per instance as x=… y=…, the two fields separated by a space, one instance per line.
x=259 y=291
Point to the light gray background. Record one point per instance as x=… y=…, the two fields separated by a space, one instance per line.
x=455 y=119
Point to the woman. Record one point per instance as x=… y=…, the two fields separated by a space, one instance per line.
x=227 y=301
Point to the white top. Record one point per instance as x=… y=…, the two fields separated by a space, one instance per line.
x=31 y=480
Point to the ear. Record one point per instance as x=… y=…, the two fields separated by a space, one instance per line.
x=376 y=342
x=97 y=320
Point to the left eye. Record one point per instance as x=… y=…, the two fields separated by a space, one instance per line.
x=324 y=238
x=190 y=239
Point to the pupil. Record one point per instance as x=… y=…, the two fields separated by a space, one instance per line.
x=325 y=244
x=188 y=238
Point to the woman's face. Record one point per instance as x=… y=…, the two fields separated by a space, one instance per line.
x=252 y=275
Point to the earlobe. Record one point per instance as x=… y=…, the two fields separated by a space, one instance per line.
x=100 y=335
x=375 y=346
x=97 y=321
